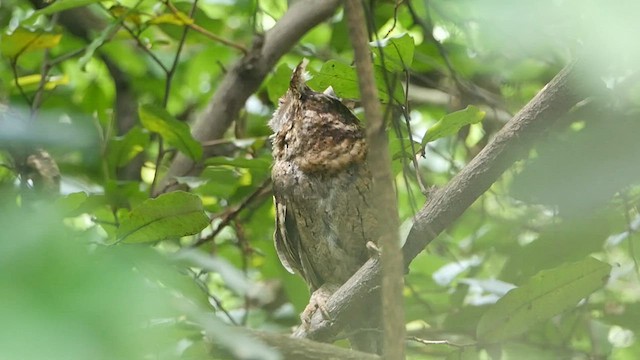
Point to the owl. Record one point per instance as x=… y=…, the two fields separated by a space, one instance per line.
x=322 y=189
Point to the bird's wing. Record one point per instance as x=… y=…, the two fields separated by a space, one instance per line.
x=289 y=246
x=287 y=240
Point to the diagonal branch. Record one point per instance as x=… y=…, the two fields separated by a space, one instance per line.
x=510 y=144
x=246 y=75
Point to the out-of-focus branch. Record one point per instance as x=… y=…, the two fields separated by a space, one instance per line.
x=246 y=75
x=302 y=349
x=384 y=198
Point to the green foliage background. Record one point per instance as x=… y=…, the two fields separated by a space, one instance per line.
x=543 y=266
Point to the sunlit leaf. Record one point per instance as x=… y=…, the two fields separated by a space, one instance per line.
x=545 y=295
x=176 y=133
x=451 y=123
x=23 y=40
x=397 y=52
x=171 y=215
x=30 y=83
x=344 y=81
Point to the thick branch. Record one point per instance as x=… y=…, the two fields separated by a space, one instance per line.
x=246 y=75
x=384 y=199
x=510 y=144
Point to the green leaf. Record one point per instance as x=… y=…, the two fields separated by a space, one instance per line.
x=123 y=149
x=279 y=82
x=256 y=164
x=545 y=295
x=61 y=5
x=397 y=52
x=344 y=81
x=22 y=40
x=179 y=18
x=168 y=216
x=451 y=123
x=176 y=133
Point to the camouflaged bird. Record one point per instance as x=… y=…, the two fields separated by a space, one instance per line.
x=322 y=187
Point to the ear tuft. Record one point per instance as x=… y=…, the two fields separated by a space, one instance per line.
x=298 y=79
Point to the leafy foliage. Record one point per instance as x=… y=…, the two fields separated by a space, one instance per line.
x=118 y=265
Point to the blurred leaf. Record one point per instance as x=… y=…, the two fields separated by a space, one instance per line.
x=545 y=295
x=451 y=123
x=122 y=149
x=31 y=83
x=61 y=5
x=569 y=241
x=256 y=164
x=397 y=52
x=22 y=40
x=240 y=344
x=175 y=19
x=176 y=133
x=171 y=215
x=80 y=303
x=233 y=277
x=574 y=170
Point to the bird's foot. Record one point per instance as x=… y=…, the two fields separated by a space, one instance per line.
x=318 y=301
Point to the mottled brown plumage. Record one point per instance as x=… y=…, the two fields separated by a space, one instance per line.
x=322 y=187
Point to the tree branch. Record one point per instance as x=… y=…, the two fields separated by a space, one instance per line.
x=384 y=198
x=246 y=75
x=303 y=349
x=510 y=144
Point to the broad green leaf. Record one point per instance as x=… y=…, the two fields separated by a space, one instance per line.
x=278 y=83
x=451 y=123
x=176 y=133
x=61 y=5
x=344 y=81
x=168 y=216
x=23 y=40
x=123 y=149
x=545 y=295
x=397 y=52
x=221 y=181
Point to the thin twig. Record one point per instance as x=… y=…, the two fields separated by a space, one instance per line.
x=204 y=32
x=232 y=214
